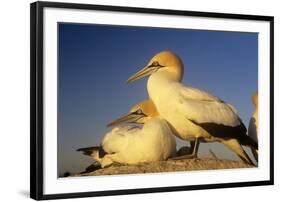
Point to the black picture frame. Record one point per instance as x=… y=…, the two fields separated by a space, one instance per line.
x=37 y=101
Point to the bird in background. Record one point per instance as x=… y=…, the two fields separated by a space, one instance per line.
x=254 y=123
x=193 y=114
x=127 y=144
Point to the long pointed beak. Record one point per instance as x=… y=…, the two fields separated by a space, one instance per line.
x=129 y=118
x=142 y=73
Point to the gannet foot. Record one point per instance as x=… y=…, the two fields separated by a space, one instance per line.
x=194 y=149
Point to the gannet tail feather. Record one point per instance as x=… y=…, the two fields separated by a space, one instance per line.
x=93 y=167
x=246 y=158
x=248 y=141
x=88 y=151
x=235 y=146
x=255 y=154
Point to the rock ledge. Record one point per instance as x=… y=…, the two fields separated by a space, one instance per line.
x=169 y=166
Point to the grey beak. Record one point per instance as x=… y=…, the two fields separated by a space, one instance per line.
x=129 y=118
x=142 y=73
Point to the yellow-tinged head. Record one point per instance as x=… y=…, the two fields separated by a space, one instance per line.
x=145 y=107
x=139 y=113
x=255 y=99
x=163 y=61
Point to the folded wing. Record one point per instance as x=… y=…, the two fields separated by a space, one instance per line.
x=201 y=107
x=118 y=139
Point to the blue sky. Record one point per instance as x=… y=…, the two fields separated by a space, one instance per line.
x=96 y=60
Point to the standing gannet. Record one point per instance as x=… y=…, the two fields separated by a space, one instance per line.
x=192 y=113
x=133 y=145
x=253 y=125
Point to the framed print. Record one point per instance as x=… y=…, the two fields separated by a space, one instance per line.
x=134 y=100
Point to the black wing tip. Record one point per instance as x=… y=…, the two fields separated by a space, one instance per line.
x=249 y=142
x=88 y=151
x=88 y=148
x=238 y=132
x=93 y=167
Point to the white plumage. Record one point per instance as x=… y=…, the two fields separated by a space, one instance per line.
x=132 y=145
x=187 y=105
x=202 y=107
x=192 y=113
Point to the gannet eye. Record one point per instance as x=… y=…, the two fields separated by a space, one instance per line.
x=139 y=112
x=155 y=63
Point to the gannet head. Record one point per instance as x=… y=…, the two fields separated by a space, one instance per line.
x=255 y=99
x=139 y=113
x=165 y=61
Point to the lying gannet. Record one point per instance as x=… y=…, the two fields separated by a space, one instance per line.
x=133 y=145
x=253 y=125
x=192 y=113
